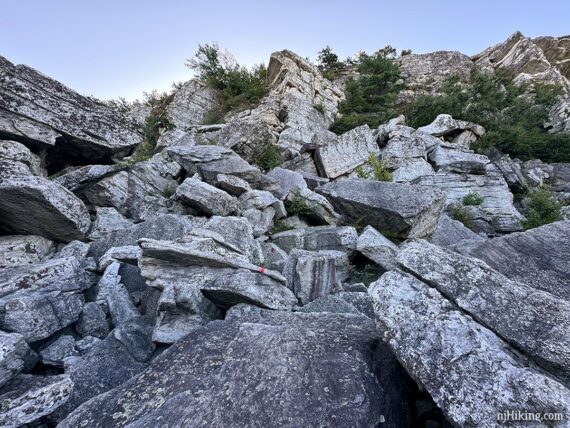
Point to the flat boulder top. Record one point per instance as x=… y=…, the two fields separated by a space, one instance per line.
x=39 y=103
x=263 y=369
x=406 y=199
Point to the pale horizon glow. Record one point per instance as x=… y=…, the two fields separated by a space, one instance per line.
x=121 y=48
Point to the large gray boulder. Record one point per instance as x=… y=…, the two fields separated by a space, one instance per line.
x=36 y=206
x=536 y=322
x=395 y=209
x=16 y=159
x=377 y=248
x=471 y=374
x=206 y=198
x=222 y=375
x=15 y=356
x=451 y=232
x=18 y=250
x=40 y=112
x=191 y=103
x=538 y=257
x=29 y=397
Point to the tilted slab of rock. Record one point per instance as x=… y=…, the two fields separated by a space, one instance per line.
x=288 y=180
x=451 y=232
x=15 y=356
x=536 y=322
x=393 y=208
x=36 y=206
x=16 y=159
x=312 y=205
x=538 y=257
x=249 y=287
x=191 y=103
x=107 y=220
x=377 y=248
x=445 y=125
x=338 y=238
x=28 y=398
x=225 y=374
x=458 y=161
x=54 y=353
x=346 y=152
x=39 y=111
x=342 y=303
x=206 y=198
x=18 y=250
x=471 y=374
x=497 y=206
x=84 y=176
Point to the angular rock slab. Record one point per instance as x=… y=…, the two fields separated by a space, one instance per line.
x=18 y=250
x=393 y=208
x=471 y=374
x=254 y=372
x=539 y=257
x=377 y=248
x=536 y=322
x=28 y=398
x=16 y=159
x=206 y=198
x=15 y=354
x=310 y=274
x=36 y=206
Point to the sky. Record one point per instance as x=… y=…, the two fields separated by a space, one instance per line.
x=121 y=48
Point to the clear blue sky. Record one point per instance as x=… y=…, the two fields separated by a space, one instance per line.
x=122 y=47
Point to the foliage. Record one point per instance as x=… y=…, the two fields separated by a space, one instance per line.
x=513 y=116
x=328 y=63
x=298 y=205
x=543 y=208
x=319 y=107
x=269 y=158
x=362 y=173
x=460 y=213
x=279 y=226
x=152 y=126
x=240 y=88
x=473 y=199
x=380 y=170
x=371 y=98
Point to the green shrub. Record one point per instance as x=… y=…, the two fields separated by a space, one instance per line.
x=152 y=126
x=372 y=97
x=269 y=158
x=279 y=226
x=513 y=119
x=240 y=88
x=362 y=173
x=543 y=208
x=381 y=172
x=320 y=108
x=298 y=205
x=328 y=63
x=460 y=213
x=473 y=199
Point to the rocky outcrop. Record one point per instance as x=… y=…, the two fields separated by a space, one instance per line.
x=190 y=104
x=208 y=378
x=16 y=159
x=472 y=375
x=15 y=356
x=36 y=206
x=538 y=257
x=44 y=114
x=557 y=51
x=397 y=209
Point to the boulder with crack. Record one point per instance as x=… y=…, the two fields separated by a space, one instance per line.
x=44 y=114
x=397 y=209
x=536 y=322
x=206 y=198
x=471 y=374
x=224 y=372
x=35 y=206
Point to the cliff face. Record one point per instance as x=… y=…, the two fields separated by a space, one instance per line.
x=193 y=287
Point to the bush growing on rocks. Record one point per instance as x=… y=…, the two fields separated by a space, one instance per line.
x=269 y=158
x=379 y=168
x=473 y=199
x=514 y=121
x=542 y=209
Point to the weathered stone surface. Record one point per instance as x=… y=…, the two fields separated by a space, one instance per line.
x=342 y=303
x=249 y=287
x=105 y=365
x=274 y=257
x=288 y=180
x=398 y=209
x=511 y=170
x=261 y=221
x=470 y=373
x=191 y=103
x=15 y=355
x=410 y=169
x=344 y=153
x=260 y=200
x=235 y=186
x=377 y=248
x=538 y=257
x=28 y=398
x=451 y=232
x=206 y=198
x=166 y=226
x=338 y=238
x=222 y=374
x=82 y=177
x=556 y=50
x=16 y=159
x=310 y=274
x=92 y=322
x=313 y=206
x=54 y=353
x=238 y=232
x=84 y=129
x=536 y=322
x=17 y=250
x=36 y=206
x=107 y=220
x=444 y=125
x=497 y=208
x=460 y=162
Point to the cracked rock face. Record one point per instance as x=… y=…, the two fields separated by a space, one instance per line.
x=224 y=374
